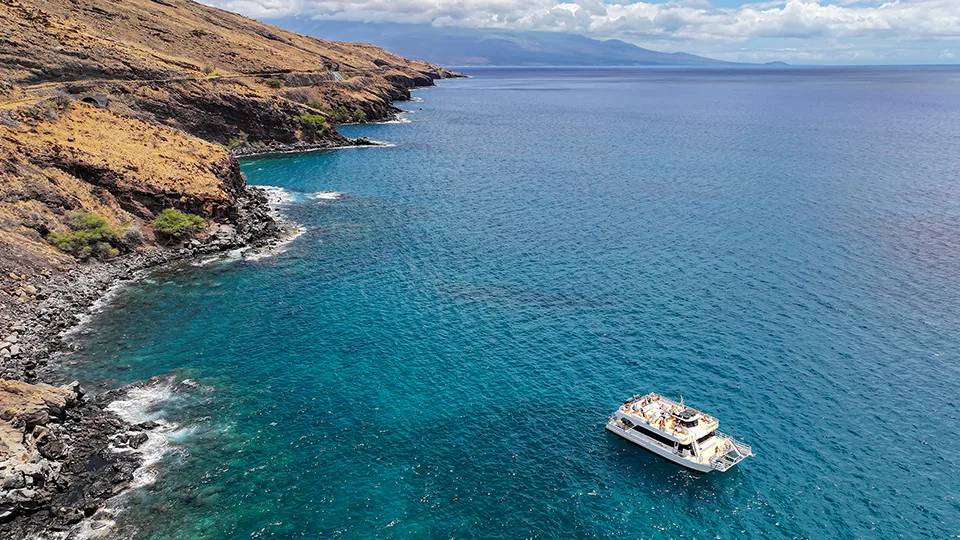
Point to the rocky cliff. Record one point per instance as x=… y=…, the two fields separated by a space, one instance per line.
x=123 y=109
x=212 y=73
x=111 y=112
x=49 y=438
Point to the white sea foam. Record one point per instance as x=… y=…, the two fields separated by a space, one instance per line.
x=325 y=195
x=99 y=525
x=277 y=196
x=143 y=404
x=140 y=404
x=400 y=118
x=256 y=254
x=376 y=144
x=278 y=199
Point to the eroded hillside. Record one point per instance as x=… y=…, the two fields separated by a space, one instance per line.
x=125 y=108
x=214 y=74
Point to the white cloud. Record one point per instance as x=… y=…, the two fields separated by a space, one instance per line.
x=675 y=25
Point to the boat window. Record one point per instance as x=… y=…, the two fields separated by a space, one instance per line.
x=705 y=437
x=653 y=435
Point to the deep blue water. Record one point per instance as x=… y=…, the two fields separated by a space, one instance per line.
x=437 y=355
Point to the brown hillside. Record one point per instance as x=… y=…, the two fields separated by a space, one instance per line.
x=171 y=77
x=213 y=73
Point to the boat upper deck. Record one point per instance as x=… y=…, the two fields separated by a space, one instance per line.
x=682 y=422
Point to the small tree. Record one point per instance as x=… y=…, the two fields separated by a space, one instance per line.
x=240 y=140
x=340 y=114
x=178 y=225
x=313 y=125
x=274 y=83
x=90 y=236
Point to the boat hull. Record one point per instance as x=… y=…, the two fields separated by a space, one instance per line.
x=642 y=442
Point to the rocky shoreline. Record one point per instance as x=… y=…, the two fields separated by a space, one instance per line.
x=269 y=149
x=124 y=111
x=62 y=453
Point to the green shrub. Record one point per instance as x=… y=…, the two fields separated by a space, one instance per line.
x=239 y=140
x=90 y=236
x=274 y=83
x=313 y=125
x=88 y=221
x=178 y=225
x=208 y=70
x=340 y=114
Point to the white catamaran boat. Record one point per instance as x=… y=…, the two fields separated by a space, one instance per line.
x=672 y=430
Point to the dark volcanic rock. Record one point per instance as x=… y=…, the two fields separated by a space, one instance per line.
x=46 y=477
x=56 y=460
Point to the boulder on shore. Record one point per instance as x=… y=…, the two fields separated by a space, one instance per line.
x=54 y=453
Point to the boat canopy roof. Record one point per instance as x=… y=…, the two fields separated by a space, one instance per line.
x=674 y=419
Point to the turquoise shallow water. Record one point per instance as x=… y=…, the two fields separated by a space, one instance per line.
x=436 y=356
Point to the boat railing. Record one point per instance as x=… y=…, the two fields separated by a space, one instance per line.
x=742 y=448
x=738 y=452
x=620 y=425
x=676 y=405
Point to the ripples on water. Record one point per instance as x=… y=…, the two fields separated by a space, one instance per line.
x=437 y=354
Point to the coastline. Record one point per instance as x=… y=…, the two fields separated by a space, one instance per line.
x=119 y=125
x=396 y=116
x=66 y=297
x=78 y=453
x=94 y=432
x=267 y=150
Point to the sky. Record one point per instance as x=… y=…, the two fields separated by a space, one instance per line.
x=795 y=31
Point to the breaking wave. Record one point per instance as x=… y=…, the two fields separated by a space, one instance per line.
x=138 y=405
x=145 y=404
x=325 y=195
x=278 y=198
x=149 y=402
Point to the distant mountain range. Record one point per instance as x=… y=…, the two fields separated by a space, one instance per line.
x=452 y=46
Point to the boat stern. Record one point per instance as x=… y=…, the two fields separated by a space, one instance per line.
x=736 y=452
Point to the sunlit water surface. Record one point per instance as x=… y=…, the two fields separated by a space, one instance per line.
x=437 y=355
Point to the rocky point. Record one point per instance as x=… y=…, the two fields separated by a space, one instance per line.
x=121 y=110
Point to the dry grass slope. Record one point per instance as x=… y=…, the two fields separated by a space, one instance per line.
x=180 y=76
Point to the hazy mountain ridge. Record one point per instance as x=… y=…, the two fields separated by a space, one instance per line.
x=453 y=46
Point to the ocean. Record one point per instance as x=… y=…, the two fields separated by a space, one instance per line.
x=437 y=354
